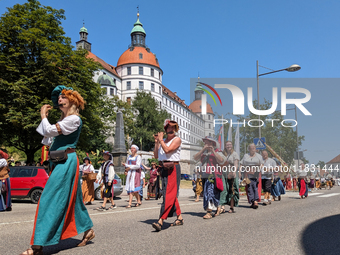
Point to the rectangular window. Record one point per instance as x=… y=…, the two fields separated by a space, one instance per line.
x=141 y=85
x=129 y=70
x=209 y=126
x=152 y=87
x=160 y=90
x=140 y=70
x=128 y=100
x=209 y=117
x=128 y=85
x=111 y=92
x=152 y=72
x=140 y=55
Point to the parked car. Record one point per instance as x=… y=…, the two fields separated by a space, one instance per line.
x=27 y=182
x=117 y=187
x=187 y=177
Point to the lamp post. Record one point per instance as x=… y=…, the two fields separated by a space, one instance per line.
x=292 y=68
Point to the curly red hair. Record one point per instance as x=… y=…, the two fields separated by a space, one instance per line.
x=74 y=97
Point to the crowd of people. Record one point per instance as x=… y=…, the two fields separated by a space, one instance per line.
x=61 y=211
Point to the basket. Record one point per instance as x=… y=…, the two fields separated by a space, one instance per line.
x=92 y=176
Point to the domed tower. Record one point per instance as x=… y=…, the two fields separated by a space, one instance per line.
x=83 y=43
x=138 y=67
x=196 y=107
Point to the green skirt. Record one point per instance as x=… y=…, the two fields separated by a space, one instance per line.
x=230 y=190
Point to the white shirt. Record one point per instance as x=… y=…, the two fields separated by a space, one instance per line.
x=68 y=125
x=142 y=175
x=111 y=175
x=268 y=168
x=171 y=156
x=138 y=162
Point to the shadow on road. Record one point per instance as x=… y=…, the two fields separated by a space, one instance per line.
x=197 y=214
x=150 y=221
x=322 y=236
x=66 y=244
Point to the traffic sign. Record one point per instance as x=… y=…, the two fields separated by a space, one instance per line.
x=260 y=143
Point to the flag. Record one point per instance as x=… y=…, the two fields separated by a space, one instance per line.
x=230 y=132
x=220 y=137
x=237 y=140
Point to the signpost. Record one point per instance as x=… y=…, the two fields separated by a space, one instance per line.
x=260 y=143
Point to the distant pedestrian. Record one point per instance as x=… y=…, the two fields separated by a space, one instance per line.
x=211 y=157
x=133 y=169
x=5 y=184
x=269 y=165
x=303 y=188
x=107 y=174
x=277 y=188
x=252 y=163
x=87 y=186
x=152 y=181
x=230 y=194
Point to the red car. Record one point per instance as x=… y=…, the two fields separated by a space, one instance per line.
x=27 y=181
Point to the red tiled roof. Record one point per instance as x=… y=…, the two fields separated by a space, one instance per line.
x=173 y=96
x=334 y=160
x=110 y=68
x=132 y=57
x=196 y=107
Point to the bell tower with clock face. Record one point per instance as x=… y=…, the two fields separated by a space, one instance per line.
x=83 y=43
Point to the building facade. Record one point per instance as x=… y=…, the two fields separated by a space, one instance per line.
x=139 y=69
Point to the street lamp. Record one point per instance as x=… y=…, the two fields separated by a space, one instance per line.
x=292 y=68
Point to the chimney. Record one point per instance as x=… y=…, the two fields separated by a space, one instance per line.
x=175 y=93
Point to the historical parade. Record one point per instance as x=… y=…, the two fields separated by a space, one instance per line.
x=101 y=158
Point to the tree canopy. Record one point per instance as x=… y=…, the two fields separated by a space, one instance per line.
x=150 y=120
x=35 y=57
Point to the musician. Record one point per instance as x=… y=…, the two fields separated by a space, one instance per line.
x=210 y=158
x=168 y=152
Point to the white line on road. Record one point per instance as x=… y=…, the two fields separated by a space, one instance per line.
x=16 y=222
x=101 y=213
x=311 y=194
x=330 y=195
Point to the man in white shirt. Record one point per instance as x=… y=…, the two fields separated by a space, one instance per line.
x=267 y=175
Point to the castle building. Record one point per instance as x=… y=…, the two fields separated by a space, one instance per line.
x=139 y=69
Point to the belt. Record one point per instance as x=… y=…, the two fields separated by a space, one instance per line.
x=165 y=161
x=70 y=150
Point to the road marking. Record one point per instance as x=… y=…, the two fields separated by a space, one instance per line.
x=16 y=222
x=330 y=195
x=133 y=209
x=310 y=194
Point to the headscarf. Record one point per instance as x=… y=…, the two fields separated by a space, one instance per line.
x=135 y=146
x=73 y=96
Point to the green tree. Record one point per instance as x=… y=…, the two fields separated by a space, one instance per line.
x=321 y=164
x=149 y=120
x=35 y=57
x=109 y=107
x=281 y=139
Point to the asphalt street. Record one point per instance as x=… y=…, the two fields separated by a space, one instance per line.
x=291 y=226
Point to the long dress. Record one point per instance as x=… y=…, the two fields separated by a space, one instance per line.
x=152 y=183
x=87 y=187
x=230 y=185
x=61 y=213
x=5 y=187
x=133 y=176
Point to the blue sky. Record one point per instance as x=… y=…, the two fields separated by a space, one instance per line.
x=223 y=39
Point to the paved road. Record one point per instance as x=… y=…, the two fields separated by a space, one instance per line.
x=292 y=226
